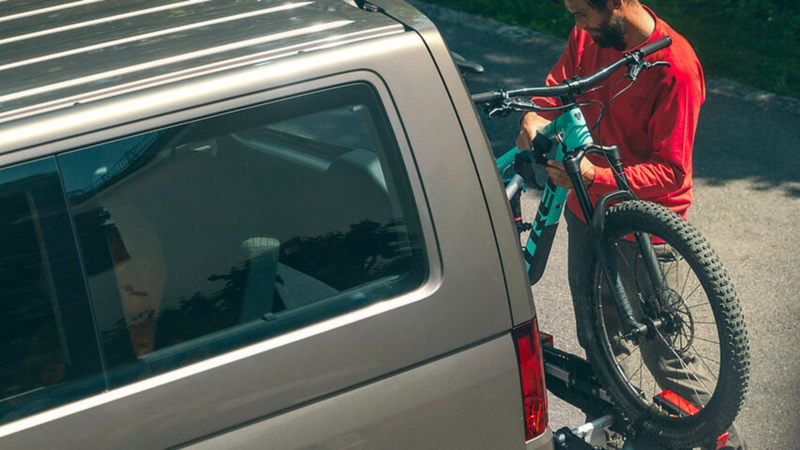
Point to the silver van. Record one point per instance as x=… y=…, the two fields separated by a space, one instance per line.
x=253 y=224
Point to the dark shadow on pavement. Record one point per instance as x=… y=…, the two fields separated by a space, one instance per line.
x=740 y=141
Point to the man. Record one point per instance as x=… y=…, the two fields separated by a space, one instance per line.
x=653 y=123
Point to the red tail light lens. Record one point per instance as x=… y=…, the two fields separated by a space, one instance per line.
x=531 y=369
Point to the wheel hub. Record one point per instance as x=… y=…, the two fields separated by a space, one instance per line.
x=671 y=318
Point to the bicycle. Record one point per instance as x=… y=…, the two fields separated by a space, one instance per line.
x=647 y=269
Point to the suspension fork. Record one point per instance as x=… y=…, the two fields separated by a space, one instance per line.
x=594 y=217
x=646 y=249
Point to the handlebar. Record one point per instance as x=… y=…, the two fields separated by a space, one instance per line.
x=654 y=46
x=487 y=97
x=576 y=85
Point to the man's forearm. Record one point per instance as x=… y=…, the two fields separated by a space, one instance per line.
x=529 y=124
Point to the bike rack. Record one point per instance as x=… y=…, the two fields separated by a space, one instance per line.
x=572 y=379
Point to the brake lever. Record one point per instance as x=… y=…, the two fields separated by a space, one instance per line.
x=658 y=63
x=497 y=111
x=641 y=64
x=506 y=106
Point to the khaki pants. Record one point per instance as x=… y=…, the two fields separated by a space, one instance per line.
x=649 y=363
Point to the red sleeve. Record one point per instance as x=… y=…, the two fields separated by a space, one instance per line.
x=671 y=130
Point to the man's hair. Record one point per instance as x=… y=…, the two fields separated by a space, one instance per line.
x=597 y=4
x=601 y=4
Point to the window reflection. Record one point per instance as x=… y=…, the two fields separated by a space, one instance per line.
x=49 y=353
x=210 y=235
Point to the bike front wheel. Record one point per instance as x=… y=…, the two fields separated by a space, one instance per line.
x=696 y=345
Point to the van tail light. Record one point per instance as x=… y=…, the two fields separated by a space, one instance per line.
x=531 y=370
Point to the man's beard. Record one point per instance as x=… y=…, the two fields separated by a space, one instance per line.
x=612 y=34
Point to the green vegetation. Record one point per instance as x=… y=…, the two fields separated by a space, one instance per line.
x=756 y=42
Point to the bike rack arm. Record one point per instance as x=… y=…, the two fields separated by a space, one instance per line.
x=513 y=186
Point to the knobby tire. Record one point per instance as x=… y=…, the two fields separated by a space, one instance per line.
x=706 y=332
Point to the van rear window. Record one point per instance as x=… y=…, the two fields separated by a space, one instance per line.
x=207 y=236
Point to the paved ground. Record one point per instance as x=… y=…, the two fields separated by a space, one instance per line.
x=747 y=173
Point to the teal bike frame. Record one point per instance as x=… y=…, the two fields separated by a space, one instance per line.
x=567 y=133
x=568 y=140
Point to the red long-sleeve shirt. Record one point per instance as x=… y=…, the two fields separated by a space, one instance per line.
x=653 y=123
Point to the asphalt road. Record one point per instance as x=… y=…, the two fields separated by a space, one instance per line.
x=747 y=204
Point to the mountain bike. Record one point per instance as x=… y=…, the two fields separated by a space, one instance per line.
x=661 y=322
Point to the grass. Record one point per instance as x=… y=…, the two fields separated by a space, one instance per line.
x=755 y=42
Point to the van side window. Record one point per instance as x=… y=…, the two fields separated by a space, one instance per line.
x=49 y=350
x=207 y=236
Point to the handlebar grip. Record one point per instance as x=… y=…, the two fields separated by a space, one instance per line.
x=486 y=97
x=653 y=47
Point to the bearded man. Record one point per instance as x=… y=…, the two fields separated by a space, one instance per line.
x=653 y=124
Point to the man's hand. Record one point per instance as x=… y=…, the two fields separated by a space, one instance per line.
x=529 y=124
x=556 y=172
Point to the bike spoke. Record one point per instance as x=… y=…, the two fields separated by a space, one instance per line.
x=687 y=297
x=688 y=371
x=620 y=361
x=668 y=272
x=686 y=281
x=639 y=370
x=621 y=256
x=707 y=340
x=697 y=305
x=703 y=360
